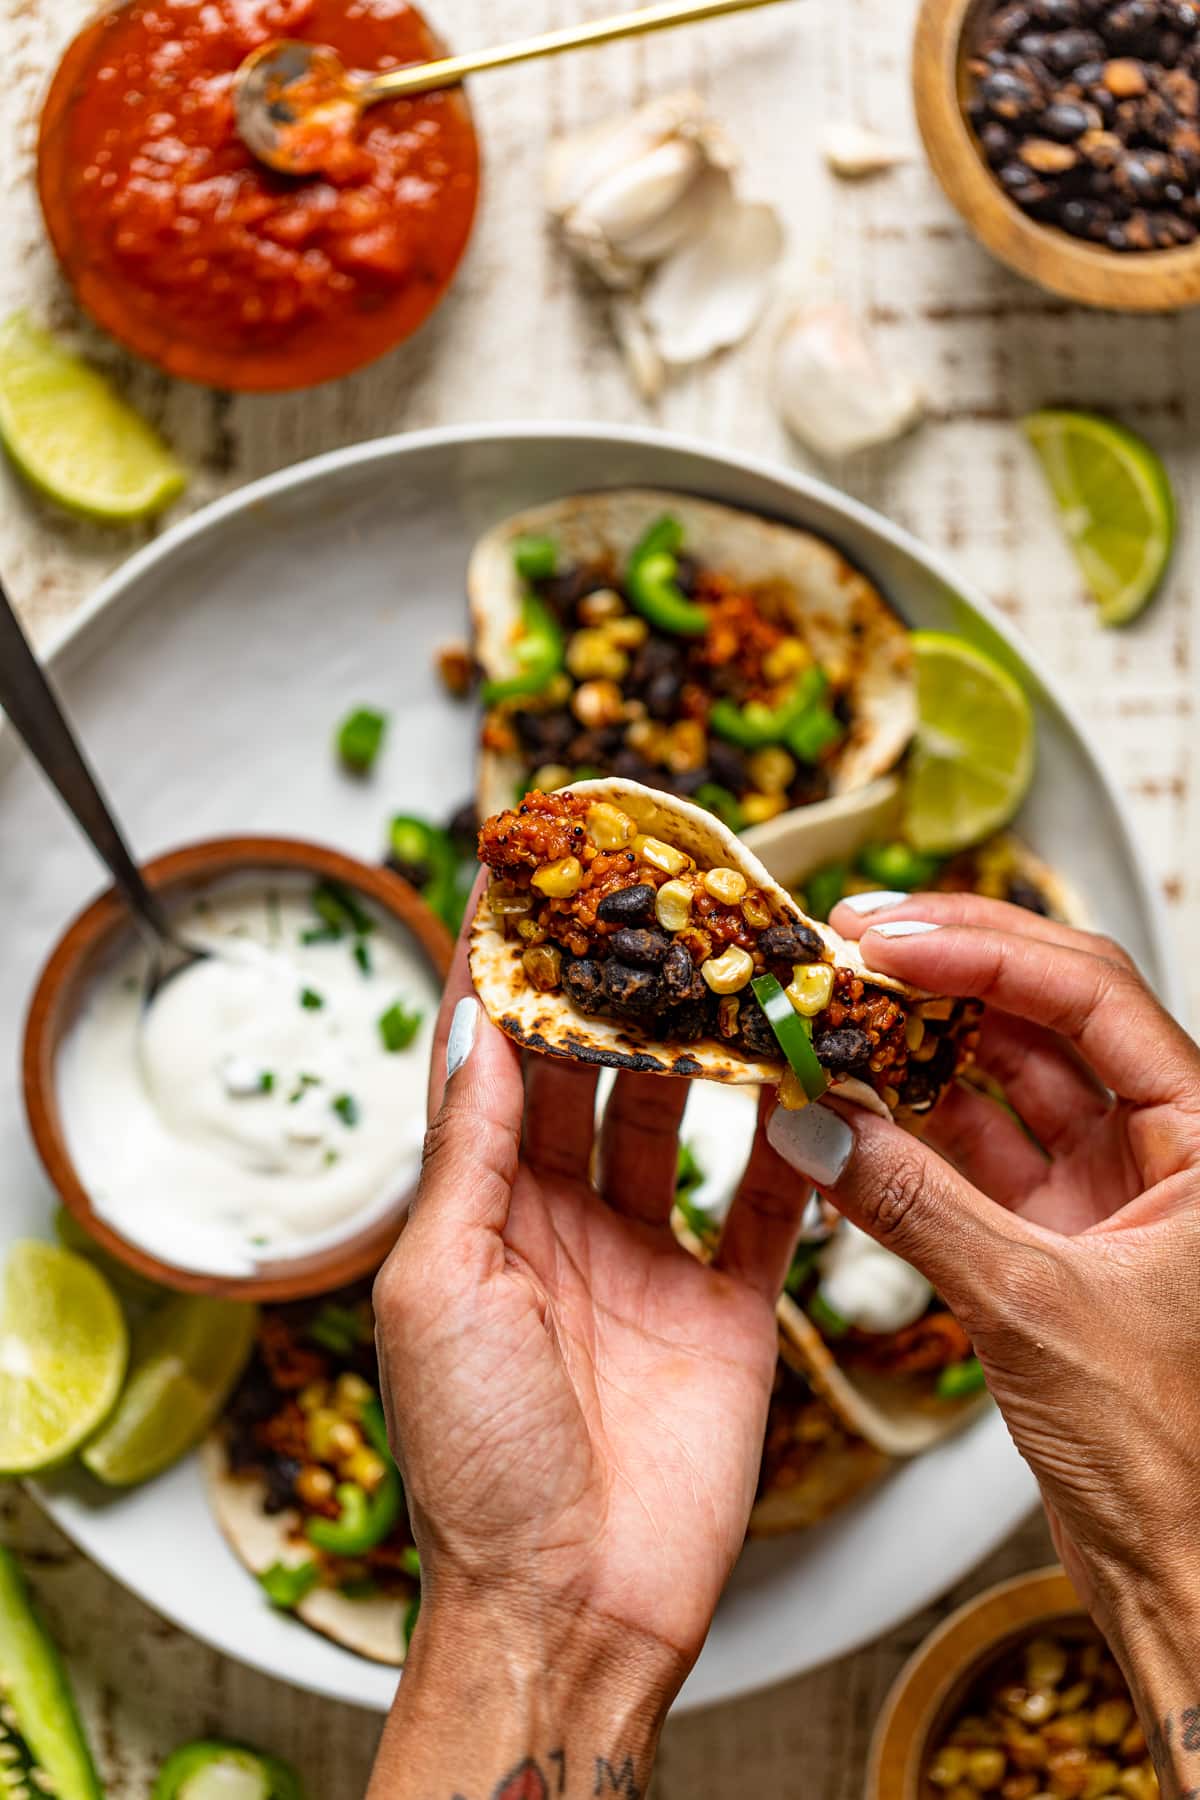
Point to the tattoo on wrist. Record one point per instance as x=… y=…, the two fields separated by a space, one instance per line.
x=1171 y=1739
x=534 y=1780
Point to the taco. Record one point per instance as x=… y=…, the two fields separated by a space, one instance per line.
x=632 y=929
x=686 y=645
x=879 y=1343
x=303 y=1484
x=814 y=1461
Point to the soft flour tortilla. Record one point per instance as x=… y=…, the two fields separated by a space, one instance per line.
x=372 y=1627
x=550 y=1024
x=798 y=578
x=835 y=1477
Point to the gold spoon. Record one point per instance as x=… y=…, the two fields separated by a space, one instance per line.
x=295 y=102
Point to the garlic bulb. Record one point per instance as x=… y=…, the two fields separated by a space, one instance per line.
x=854 y=151
x=832 y=389
x=649 y=205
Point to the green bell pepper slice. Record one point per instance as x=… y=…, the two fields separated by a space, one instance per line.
x=34 y=1685
x=200 y=1770
x=823 y=889
x=652 y=585
x=961 y=1379
x=539 y=652
x=802 y=721
x=794 y=1033
x=366 y=1519
x=717 y=799
x=287 y=1584
x=898 y=866
x=535 y=558
x=360 y=739
x=829 y=1323
x=428 y=853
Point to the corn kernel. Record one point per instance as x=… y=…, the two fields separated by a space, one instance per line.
x=1045 y=1663
x=592 y=654
x=597 y=703
x=556 y=693
x=726 y=885
x=311 y=1398
x=314 y=1485
x=792 y=1094
x=559 y=880
x=550 y=777
x=628 y=632
x=1037 y=1707
x=543 y=966
x=772 y=770
x=673 y=905
x=914 y=1031
x=530 y=932
x=687 y=746
x=351 y=1393
x=756 y=912
x=1073 y=1697
x=609 y=828
x=647 y=737
x=506 y=902
x=727 y=1016
x=1140 y=1783
x=331 y=1437
x=365 y=1466
x=728 y=974
x=787 y=658
x=1101 y=1779
x=661 y=856
x=758 y=808
x=811 y=988
x=891 y=1098
x=986 y=1769
x=1111 y=1720
x=942 y=1008
x=948 y=1766
x=602 y=606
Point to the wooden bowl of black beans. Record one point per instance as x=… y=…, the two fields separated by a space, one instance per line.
x=1067 y=134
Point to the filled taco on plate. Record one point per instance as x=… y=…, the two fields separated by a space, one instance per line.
x=814 y=1460
x=303 y=1483
x=631 y=929
x=685 y=645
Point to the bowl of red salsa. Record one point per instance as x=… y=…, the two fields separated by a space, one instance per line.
x=191 y=252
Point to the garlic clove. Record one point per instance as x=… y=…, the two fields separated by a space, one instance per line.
x=640 y=194
x=688 y=218
x=712 y=291
x=833 y=390
x=854 y=151
x=645 y=365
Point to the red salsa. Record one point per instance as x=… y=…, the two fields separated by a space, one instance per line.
x=199 y=258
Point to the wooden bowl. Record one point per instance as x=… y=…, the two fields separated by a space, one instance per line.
x=931 y=1687
x=72 y=965
x=1124 y=281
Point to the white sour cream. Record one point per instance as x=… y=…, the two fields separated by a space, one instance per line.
x=253 y=1111
x=868 y=1286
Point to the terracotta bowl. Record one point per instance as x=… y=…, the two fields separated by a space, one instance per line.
x=1135 y=281
x=930 y=1689
x=73 y=963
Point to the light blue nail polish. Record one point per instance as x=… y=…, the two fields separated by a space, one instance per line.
x=463 y=1027
x=862 y=904
x=816 y=1142
x=905 y=928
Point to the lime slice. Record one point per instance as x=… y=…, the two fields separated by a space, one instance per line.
x=63 y=1349
x=186 y=1358
x=72 y=437
x=972 y=760
x=1116 y=503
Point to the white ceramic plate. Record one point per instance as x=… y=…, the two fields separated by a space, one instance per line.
x=207 y=678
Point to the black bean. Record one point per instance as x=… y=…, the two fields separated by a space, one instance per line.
x=727 y=765
x=1058 y=13
x=1009 y=95
x=684 y=1024
x=1065 y=120
x=846 y=1051
x=687 y=574
x=280 y=1477
x=416 y=874
x=463 y=823
x=631 y=990
x=628 y=906
x=791 y=943
x=645 y=948
x=544 y=734
x=1067 y=49
x=1024 y=894
x=1022 y=183
x=755 y=1029
x=583 y=983
x=661 y=695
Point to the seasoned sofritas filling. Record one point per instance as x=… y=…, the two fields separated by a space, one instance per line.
x=670 y=674
x=629 y=926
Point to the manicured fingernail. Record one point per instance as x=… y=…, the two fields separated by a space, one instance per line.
x=463 y=1027
x=815 y=1141
x=862 y=904
x=902 y=928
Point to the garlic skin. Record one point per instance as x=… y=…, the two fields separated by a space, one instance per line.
x=649 y=206
x=832 y=389
x=855 y=151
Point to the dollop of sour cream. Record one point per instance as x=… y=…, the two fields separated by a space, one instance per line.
x=868 y=1286
x=271 y=1099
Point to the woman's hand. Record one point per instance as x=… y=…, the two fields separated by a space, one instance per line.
x=1067 y=1241
x=578 y=1409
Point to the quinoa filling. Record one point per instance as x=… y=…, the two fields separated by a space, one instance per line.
x=628 y=926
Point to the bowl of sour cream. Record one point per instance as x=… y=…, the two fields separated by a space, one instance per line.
x=255 y=1128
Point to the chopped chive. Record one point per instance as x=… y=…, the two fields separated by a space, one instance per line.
x=362 y=955
x=360 y=739
x=266 y=1082
x=331 y=1156
x=310 y=1000
x=398 y=1026
x=303 y=1083
x=346 y=1108
x=338 y=908
x=337 y=1329
x=286 y=1584
x=321 y=934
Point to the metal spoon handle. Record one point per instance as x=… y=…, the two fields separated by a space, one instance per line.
x=34 y=712
x=453 y=69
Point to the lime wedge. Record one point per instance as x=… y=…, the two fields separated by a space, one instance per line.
x=73 y=437
x=63 y=1350
x=972 y=760
x=186 y=1358
x=1116 y=503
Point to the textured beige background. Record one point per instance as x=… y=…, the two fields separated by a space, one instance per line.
x=521 y=338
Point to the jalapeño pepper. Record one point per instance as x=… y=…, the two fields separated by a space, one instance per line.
x=539 y=653
x=209 y=1767
x=366 y=1519
x=898 y=866
x=425 y=855
x=961 y=1379
x=802 y=721
x=794 y=1033
x=652 y=585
